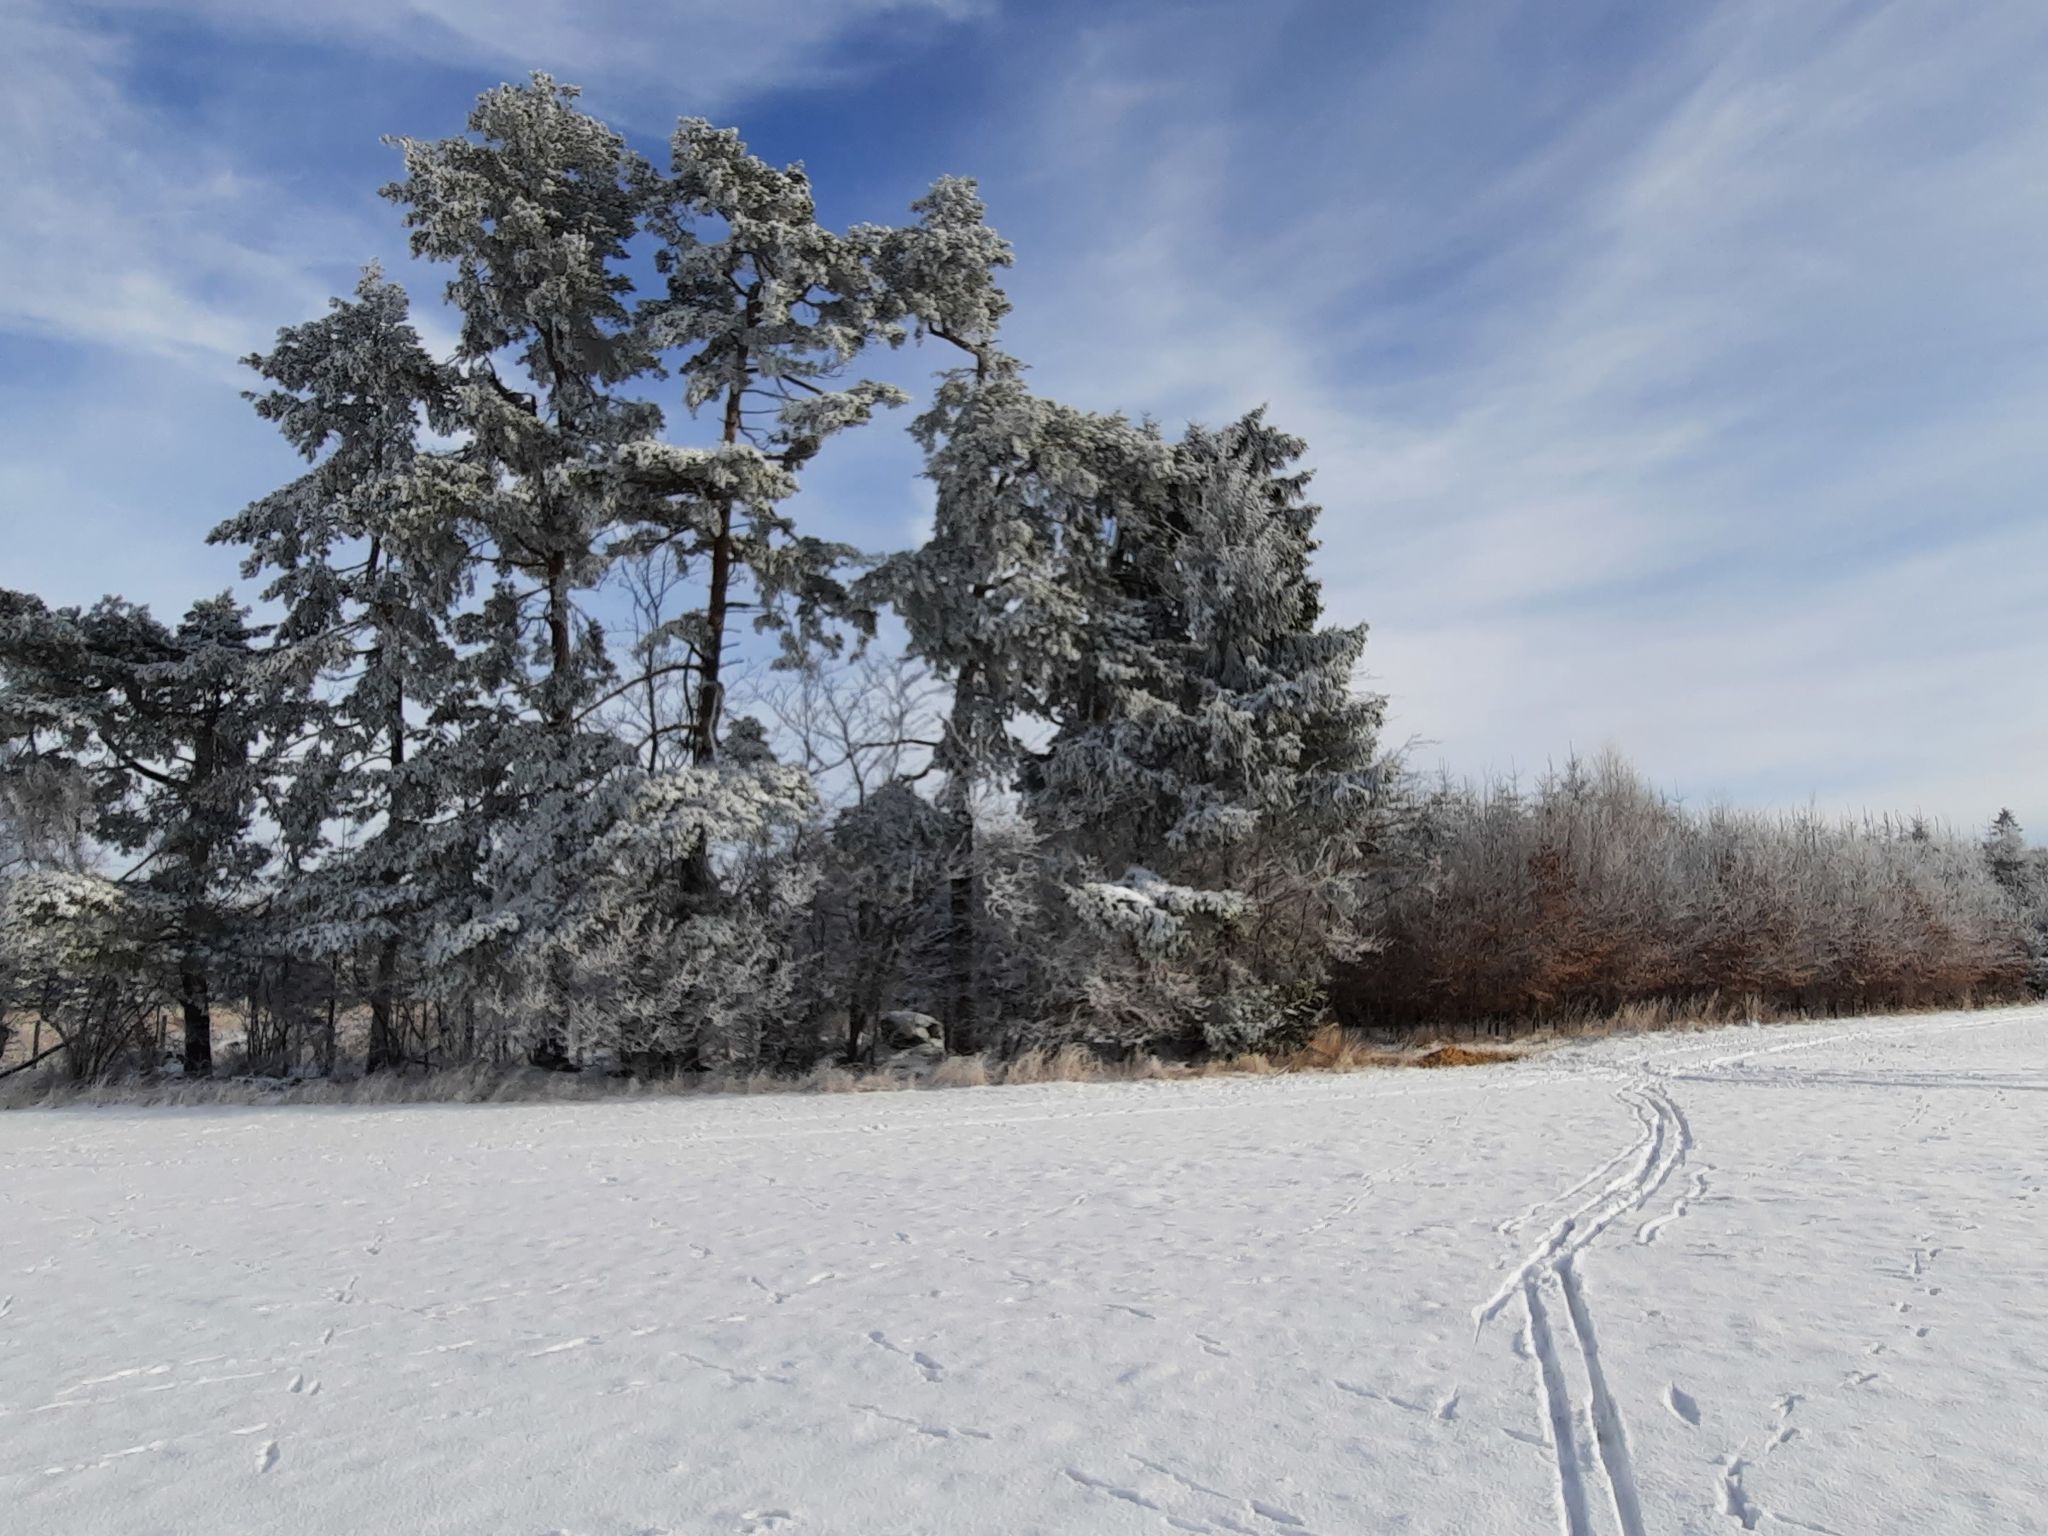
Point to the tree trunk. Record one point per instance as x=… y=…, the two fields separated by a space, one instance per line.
x=717 y=600
x=384 y=1051
x=193 y=995
x=551 y=1049
x=710 y=690
x=957 y=801
x=560 y=650
x=697 y=878
x=962 y=1024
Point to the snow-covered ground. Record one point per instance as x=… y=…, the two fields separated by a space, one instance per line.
x=1792 y=1279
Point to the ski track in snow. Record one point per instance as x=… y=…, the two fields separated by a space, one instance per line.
x=1523 y=1299
x=1551 y=1268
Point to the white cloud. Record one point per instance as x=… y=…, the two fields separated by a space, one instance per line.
x=719 y=50
x=1678 y=392
x=149 y=253
x=124 y=231
x=1716 y=432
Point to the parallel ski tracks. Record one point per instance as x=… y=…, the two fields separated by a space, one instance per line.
x=1590 y=1447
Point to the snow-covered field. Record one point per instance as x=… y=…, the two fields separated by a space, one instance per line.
x=1792 y=1279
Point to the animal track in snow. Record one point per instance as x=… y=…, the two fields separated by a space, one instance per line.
x=566 y=1344
x=1404 y=1404
x=1102 y=1486
x=1736 y=1503
x=266 y=1456
x=933 y=1371
x=1186 y=1482
x=737 y=1378
x=1682 y=1403
x=1648 y=1232
x=935 y=1431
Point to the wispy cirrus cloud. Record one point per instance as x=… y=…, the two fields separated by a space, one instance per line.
x=156 y=237
x=1679 y=392
x=714 y=51
x=1674 y=376
x=125 y=231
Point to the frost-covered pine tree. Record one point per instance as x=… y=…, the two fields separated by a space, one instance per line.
x=562 y=468
x=1214 y=763
x=996 y=601
x=534 y=207
x=174 y=733
x=368 y=570
x=764 y=312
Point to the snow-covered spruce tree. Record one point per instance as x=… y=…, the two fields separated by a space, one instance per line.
x=1214 y=763
x=1024 y=487
x=2005 y=851
x=2022 y=873
x=878 y=924
x=660 y=984
x=368 y=571
x=175 y=732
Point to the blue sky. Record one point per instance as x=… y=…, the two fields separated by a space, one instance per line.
x=1677 y=376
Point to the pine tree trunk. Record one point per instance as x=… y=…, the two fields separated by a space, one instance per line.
x=962 y=1023
x=551 y=1049
x=193 y=995
x=697 y=878
x=717 y=604
x=384 y=1052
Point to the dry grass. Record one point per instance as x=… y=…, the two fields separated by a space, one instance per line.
x=1462 y=1056
x=1068 y=1064
x=959 y=1072
x=1330 y=1050
x=482 y=1084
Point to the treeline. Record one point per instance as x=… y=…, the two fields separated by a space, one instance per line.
x=1591 y=896
x=1110 y=781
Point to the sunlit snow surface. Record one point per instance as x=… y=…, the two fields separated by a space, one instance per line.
x=1789 y=1279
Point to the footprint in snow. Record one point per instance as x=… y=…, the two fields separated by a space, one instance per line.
x=266 y=1456
x=1682 y=1403
x=933 y=1371
x=566 y=1344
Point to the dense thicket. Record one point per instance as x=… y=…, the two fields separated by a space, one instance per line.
x=1590 y=893
x=549 y=731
